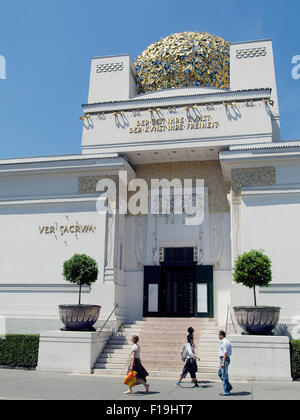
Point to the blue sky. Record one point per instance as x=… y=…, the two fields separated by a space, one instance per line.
x=48 y=45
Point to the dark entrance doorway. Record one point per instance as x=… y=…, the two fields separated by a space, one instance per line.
x=178 y=290
x=178 y=287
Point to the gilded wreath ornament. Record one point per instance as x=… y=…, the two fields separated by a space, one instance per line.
x=187 y=59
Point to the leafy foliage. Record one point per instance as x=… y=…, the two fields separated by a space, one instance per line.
x=295 y=358
x=80 y=269
x=253 y=269
x=183 y=60
x=18 y=350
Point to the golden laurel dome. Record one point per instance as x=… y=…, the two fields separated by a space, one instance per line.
x=186 y=59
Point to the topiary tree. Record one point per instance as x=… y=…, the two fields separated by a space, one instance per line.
x=253 y=269
x=80 y=269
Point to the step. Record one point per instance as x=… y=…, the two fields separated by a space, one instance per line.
x=161 y=356
x=104 y=360
x=113 y=351
x=205 y=354
x=183 y=326
x=210 y=335
x=204 y=367
x=122 y=369
x=129 y=324
x=184 y=319
x=119 y=346
x=161 y=341
x=158 y=364
x=124 y=344
x=122 y=336
x=161 y=364
x=154 y=342
x=164 y=338
x=122 y=366
x=119 y=373
x=129 y=329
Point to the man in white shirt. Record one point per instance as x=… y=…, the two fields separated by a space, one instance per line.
x=225 y=353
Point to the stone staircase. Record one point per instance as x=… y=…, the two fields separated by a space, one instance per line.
x=161 y=341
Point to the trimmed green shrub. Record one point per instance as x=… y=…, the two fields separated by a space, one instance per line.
x=295 y=358
x=253 y=269
x=80 y=269
x=18 y=350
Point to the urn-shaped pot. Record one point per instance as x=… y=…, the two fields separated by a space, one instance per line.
x=257 y=320
x=79 y=317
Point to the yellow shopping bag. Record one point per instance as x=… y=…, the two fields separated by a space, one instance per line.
x=130 y=378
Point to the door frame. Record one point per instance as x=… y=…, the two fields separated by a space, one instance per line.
x=205 y=275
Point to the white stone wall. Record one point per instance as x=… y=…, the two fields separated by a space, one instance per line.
x=270 y=221
x=118 y=130
x=111 y=79
x=33 y=255
x=44 y=220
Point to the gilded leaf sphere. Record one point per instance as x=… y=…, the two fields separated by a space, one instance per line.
x=185 y=59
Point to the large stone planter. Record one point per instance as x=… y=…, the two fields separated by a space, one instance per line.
x=79 y=317
x=257 y=320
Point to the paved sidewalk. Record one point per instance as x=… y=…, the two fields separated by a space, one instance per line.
x=32 y=385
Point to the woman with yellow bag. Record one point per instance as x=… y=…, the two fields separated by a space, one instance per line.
x=136 y=374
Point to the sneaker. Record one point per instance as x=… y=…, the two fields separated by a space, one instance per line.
x=226 y=394
x=178 y=384
x=196 y=385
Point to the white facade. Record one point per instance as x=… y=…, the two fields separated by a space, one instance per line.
x=50 y=209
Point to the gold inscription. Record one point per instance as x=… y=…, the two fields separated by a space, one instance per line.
x=203 y=122
x=66 y=229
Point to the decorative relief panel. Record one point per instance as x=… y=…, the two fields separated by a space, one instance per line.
x=251 y=52
x=140 y=240
x=218 y=241
x=251 y=177
x=88 y=184
x=210 y=171
x=104 y=68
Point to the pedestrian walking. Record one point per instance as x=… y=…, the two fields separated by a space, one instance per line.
x=190 y=363
x=136 y=365
x=191 y=331
x=225 y=353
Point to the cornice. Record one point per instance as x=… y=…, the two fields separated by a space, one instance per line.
x=61 y=158
x=49 y=200
x=82 y=163
x=191 y=99
x=217 y=141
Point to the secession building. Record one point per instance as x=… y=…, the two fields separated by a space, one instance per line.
x=192 y=106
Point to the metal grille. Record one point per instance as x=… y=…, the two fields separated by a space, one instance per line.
x=251 y=52
x=104 y=68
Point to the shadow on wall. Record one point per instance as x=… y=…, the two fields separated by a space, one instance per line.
x=282 y=330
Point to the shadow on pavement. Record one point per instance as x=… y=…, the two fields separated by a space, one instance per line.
x=145 y=393
x=240 y=394
x=206 y=382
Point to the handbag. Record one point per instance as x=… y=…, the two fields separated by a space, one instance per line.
x=130 y=379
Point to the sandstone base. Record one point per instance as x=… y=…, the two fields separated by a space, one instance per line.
x=70 y=351
x=260 y=358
